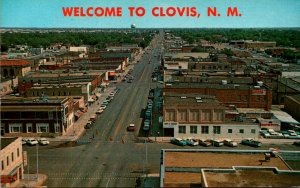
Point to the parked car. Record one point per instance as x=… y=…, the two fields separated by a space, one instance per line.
x=24 y=141
x=93 y=117
x=43 y=141
x=297 y=143
x=178 y=141
x=105 y=102
x=31 y=141
x=251 y=142
x=100 y=111
x=88 y=125
x=205 y=143
x=217 y=143
x=112 y=94
x=131 y=127
x=103 y=106
x=230 y=143
x=192 y=142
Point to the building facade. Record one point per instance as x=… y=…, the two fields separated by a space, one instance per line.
x=36 y=116
x=193 y=116
x=11 y=157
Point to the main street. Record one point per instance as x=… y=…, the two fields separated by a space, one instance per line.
x=114 y=157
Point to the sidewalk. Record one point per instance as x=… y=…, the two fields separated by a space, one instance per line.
x=78 y=127
x=30 y=180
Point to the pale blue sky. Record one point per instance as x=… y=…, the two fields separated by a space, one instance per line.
x=48 y=13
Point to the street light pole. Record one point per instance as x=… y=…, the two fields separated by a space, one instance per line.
x=37 y=162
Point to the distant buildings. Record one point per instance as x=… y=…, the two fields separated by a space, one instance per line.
x=249 y=44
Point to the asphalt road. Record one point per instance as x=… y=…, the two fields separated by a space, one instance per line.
x=107 y=161
x=112 y=158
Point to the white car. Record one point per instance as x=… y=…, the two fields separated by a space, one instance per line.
x=102 y=106
x=230 y=143
x=100 y=111
x=43 y=141
x=31 y=141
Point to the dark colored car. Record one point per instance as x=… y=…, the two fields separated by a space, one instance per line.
x=179 y=142
x=251 y=142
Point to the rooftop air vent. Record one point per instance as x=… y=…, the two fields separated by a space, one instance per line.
x=183 y=97
x=198 y=98
x=199 y=101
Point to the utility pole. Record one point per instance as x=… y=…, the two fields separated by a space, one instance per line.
x=37 y=162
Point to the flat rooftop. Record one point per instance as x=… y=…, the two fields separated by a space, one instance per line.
x=15 y=99
x=171 y=99
x=6 y=141
x=220 y=160
x=251 y=178
x=212 y=85
x=182 y=168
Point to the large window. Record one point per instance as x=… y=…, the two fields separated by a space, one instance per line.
x=182 y=129
x=194 y=115
x=253 y=131
x=193 y=129
x=206 y=115
x=170 y=115
x=241 y=131
x=218 y=115
x=229 y=130
x=204 y=130
x=182 y=115
x=29 y=127
x=2 y=165
x=15 y=127
x=42 y=128
x=217 y=130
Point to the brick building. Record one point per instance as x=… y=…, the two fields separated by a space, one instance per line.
x=239 y=95
x=36 y=116
x=202 y=116
x=14 y=68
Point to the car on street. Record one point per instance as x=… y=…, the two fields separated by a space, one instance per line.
x=23 y=141
x=105 y=102
x=31 y=141
x=217 y=143
x=43 y=141
x=230 y=143
x=251 y=142
x=103 y=106
x=88 y=125
x=93 y=117
x=129 y=81
x=179 y=141
x=192 y=142
x=297 y=143
x=205 y=143
x=100 y=111
x=131 y=127
x=112 y=94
